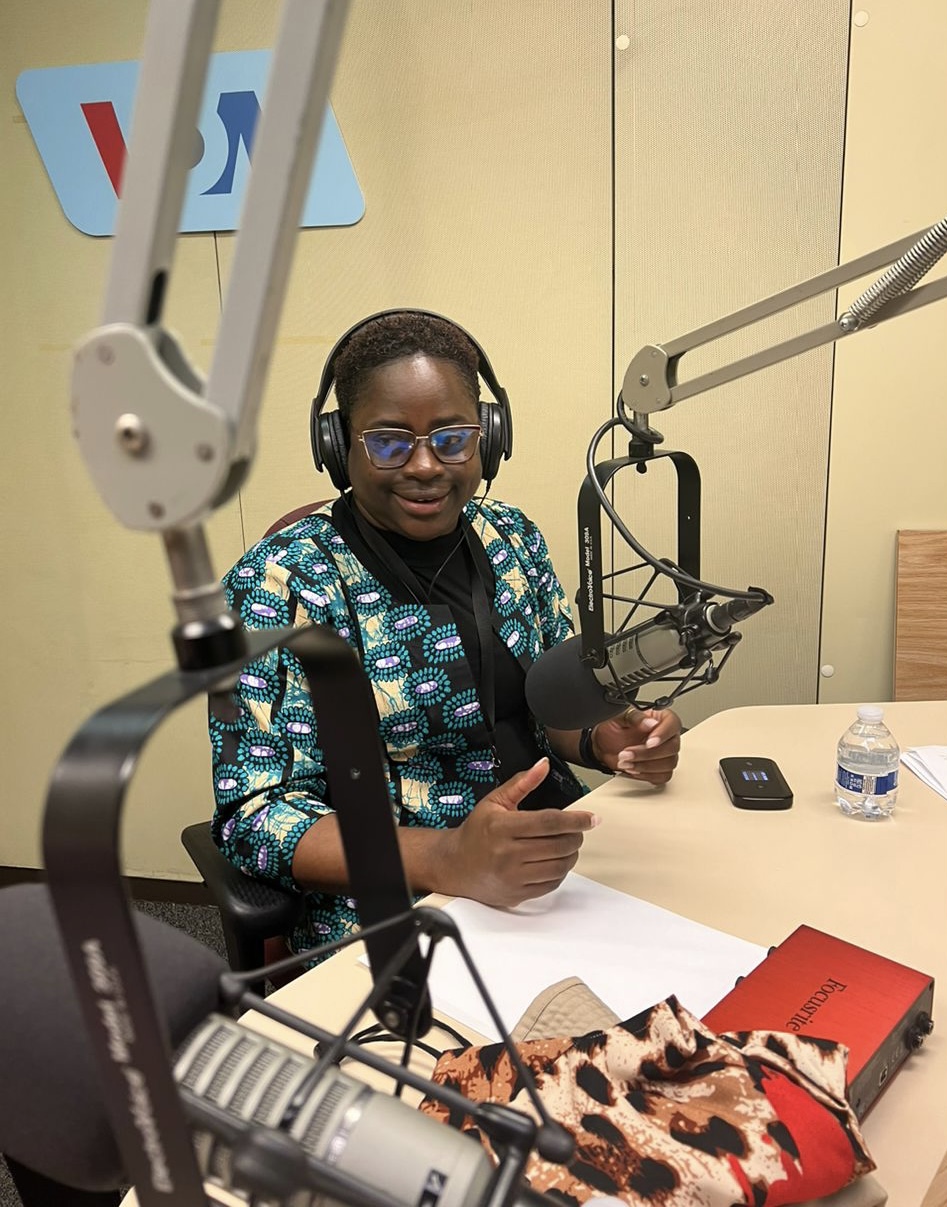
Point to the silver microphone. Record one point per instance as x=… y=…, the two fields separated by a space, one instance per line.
x=565 y=691
x=240 y=1087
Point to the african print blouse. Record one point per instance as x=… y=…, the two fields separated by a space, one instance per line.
x=269 y=774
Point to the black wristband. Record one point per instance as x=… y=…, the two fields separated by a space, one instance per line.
x=587 y=753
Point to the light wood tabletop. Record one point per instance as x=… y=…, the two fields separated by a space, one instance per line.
x=758 y=875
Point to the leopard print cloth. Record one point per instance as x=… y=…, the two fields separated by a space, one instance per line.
x=665 y=1111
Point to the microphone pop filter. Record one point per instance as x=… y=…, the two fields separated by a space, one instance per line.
x=562 y=691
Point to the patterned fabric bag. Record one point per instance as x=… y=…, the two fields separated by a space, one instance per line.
x=665 y=1111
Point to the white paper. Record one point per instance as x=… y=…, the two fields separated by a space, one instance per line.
x=630 y=954
x=929 y=764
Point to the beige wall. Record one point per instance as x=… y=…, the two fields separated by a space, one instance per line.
x=482 y=138
x=889 y=419
x=729 y=150
x=486 y=179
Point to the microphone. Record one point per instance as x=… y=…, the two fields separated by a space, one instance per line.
x=247 y=1094
x=268 y=1122
x=565 y=690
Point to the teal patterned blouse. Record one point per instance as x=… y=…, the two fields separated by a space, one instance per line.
x=269 y=777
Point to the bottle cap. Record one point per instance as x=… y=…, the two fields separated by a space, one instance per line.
x=870 y=713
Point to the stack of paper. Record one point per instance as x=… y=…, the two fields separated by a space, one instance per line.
x=630 y=953
x=929 y=763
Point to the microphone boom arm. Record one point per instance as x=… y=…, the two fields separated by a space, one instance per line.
x=650 y=383
x=81 y=829
x=164 y=450
x=163 y=447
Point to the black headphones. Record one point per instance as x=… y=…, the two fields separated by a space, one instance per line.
x=330 y=445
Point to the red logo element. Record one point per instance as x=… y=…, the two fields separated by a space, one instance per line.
x=107 y=136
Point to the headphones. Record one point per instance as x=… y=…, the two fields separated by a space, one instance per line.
x=330 y=443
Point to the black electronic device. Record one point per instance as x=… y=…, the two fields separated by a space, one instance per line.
x=755 y=783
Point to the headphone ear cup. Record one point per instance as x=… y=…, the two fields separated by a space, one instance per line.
x=331 y=451
x=496 y=443
x=491 y=441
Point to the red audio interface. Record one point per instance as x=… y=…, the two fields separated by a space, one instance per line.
x=814 y=984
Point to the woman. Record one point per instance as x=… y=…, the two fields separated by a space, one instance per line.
x=449 y=600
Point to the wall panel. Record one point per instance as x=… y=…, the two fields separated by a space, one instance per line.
x=889 y=421
x=728 y=147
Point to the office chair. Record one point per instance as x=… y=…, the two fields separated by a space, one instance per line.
x=251 y=911
x=291 y=517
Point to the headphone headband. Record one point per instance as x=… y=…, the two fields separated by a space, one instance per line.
x=328 y=433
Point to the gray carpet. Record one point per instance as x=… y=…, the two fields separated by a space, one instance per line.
x=200 y=921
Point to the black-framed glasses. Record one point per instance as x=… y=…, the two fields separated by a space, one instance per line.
x=390 y=448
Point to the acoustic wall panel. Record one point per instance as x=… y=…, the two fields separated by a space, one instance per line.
x=728 y=149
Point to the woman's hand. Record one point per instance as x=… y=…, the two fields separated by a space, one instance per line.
x=642 y=745
x=501 y=856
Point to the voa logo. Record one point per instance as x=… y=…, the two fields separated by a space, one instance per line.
x=80 y=119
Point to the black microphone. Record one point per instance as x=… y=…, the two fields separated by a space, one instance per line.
x=566 y=691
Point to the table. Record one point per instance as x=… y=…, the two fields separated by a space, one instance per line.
x=758 y=875
x=881 y=885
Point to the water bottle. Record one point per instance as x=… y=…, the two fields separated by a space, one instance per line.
x=866 y=775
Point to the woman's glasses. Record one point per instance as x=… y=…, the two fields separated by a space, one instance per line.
x=390 y=448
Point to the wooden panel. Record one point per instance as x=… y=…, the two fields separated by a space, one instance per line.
x=920 y=657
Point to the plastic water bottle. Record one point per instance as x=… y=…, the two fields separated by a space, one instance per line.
x=866 y=776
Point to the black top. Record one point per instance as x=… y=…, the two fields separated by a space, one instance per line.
x=445 y=572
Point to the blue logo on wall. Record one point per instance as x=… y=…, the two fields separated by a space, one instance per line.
x=80 y=118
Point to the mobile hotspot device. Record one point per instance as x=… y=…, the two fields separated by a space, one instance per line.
x=755 y=783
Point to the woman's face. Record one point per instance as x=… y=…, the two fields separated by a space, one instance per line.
x=423 y=498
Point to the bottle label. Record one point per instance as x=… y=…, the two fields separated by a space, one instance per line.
x=869 y=785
